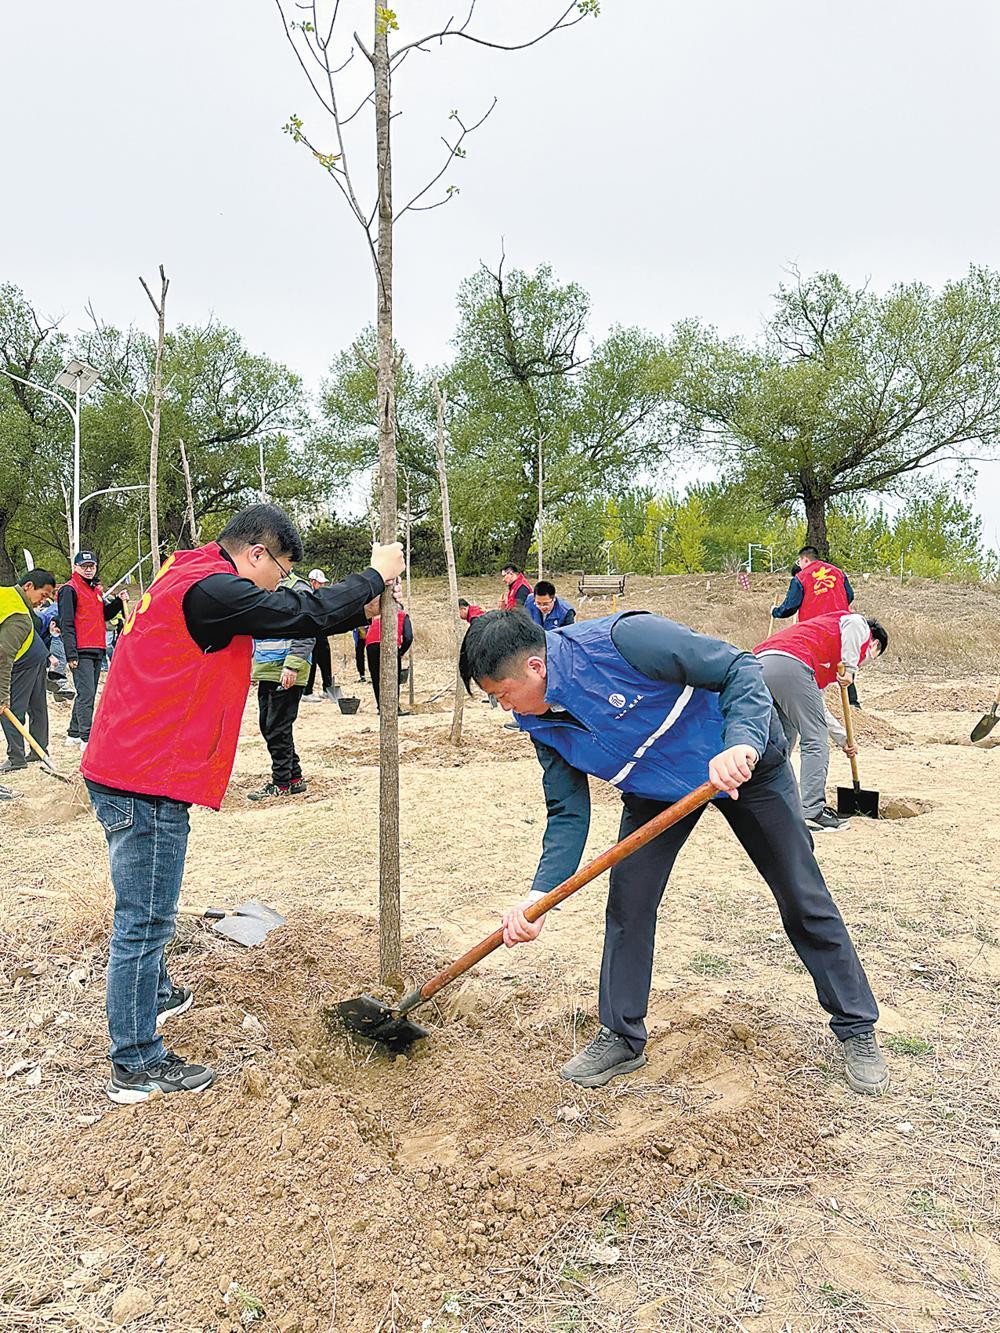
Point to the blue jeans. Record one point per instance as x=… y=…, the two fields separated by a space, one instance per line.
x=147 y=843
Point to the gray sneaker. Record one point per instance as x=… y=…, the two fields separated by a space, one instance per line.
x=827 y=821
x=607 y=1056
x=865 y=1066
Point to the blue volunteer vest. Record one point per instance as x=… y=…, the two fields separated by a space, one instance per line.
x=641 y=735
x=555 y=618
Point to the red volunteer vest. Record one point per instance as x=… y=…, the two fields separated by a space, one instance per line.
x=89 y=618
x=509 y=600
x=169 y=719
x=815 y=642
x=823 y=590
x=473 y=612
x=375 y=630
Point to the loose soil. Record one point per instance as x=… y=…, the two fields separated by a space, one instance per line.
x=733 y=1182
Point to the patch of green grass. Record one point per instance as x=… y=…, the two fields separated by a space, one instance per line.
x=251 y=1307
x=899 y=1044
x=729 y=1202
x=836 y=1299
x=569 y=1321
x=709 y=964
x=923 y=1204
x=571 y=1273
x=616 y=1219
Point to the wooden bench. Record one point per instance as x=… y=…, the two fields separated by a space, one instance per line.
x=602 y=585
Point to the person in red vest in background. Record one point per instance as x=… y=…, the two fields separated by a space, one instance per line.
x=817 y=588
x=373 y=643
x=164 y=739
x=82 y=616
x=518 y=588
x=468 y=611
x=799 y=662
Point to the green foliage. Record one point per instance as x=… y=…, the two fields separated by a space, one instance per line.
x=848 y=391
x=900 y=1044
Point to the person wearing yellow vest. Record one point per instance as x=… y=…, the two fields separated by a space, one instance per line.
x=23 y=660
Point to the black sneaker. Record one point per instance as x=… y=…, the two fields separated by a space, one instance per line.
x=127 y=1086
x=298 y=786
x=607 y=1056
x=8 y=766
x=6 y=794
x=268 y=790
x=865 y=1065
x=827 y=821
x=179 y=1001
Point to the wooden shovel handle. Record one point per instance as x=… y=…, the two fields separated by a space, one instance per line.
x=26 y=734
x=848 y=724
x=664 y=820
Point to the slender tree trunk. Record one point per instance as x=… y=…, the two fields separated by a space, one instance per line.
x=409 y=526
x=154 y=437
x=815 y=506
x=389 y=914
x=449 y=555
x=541 y=504
x=192 y=521
x=7 y=571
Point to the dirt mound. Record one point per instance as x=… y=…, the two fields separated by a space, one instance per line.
x=431 y=747
x=54 y=803
x=332 y=1187
x=868 y=728
x=902 y=807
x=936 y=699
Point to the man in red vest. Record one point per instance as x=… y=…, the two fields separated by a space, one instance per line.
x=817 y=588
x=82 y=616
x=468 y=611
x=165 y=738
x=799 y=662
x=518 y=588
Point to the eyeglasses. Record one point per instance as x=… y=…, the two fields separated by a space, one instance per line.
x=287 y=573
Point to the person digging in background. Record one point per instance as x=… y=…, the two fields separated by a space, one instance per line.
x=23 y=663
x=468 y=611
x=83 y=613
x=165 y=738
x=321 y=652
x=655 y=709
x=281 y=668
x=798 y=663
x=373 y=645
x=548 y=610
x=518 y=588
x=817 y=588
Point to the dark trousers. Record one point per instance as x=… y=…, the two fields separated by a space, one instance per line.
x=278 y=709
x=359 y=658
x=29 y=704
x=373 y=652
x=767 y=820
x=85 y=678
x=321 y=659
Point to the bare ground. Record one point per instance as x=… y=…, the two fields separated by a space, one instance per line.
x=733 y=1183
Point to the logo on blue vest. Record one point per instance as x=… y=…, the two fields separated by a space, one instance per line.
x=616 y=700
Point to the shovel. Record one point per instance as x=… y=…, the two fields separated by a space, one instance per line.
x=378 y=1022
x=854 y=800
x=248 y=924
x=46 y=764
x=987 y=722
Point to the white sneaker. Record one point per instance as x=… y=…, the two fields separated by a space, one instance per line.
x=73 y=743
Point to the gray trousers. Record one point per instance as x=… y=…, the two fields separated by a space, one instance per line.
x=85 y=678
x=30 y=705
x=802 y=714
x=767 y=822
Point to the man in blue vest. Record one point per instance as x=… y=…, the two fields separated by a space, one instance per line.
x=548 y=610
x=656 y=709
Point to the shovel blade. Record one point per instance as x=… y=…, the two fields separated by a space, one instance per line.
x=376 y=1022
x=857 y=801
x=984 y=726
x=249 y=924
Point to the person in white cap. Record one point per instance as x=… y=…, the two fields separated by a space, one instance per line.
x=321 y=653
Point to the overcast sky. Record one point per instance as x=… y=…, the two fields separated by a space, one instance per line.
x=672 y=158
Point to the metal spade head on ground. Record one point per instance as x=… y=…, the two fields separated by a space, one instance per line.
x=854 y=800
x=248 y=924
x=987 y=722
x=379 y=1023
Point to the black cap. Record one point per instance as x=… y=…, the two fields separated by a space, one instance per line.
x=85 y=558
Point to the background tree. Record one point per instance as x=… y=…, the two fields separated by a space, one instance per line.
x=160 y=307
x=849 y=392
